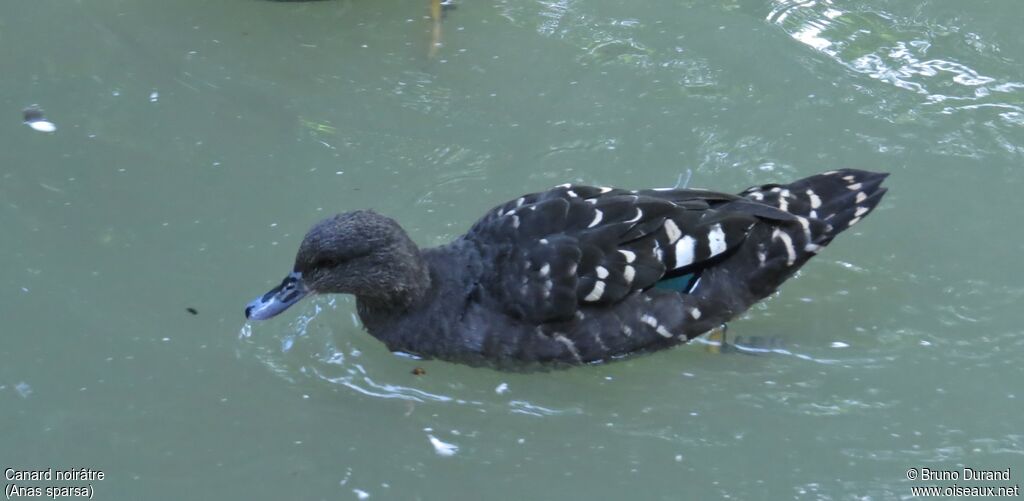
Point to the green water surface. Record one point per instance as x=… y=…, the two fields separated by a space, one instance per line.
x=196 y=142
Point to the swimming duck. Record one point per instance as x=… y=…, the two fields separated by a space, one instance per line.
x=576 y=274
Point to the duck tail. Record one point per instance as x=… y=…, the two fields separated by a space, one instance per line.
x=831 y=202
x=796 y=221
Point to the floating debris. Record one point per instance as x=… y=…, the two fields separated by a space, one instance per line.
x=318 y=127
x=33 y=116
x=361 y=494
x=839 y=344
x=419 y=371
x=24 y=390
x=192 y=310
x=502 y=388
x=154 y=96
x=443 y=448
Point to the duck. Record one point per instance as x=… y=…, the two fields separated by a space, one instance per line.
x=576 y=274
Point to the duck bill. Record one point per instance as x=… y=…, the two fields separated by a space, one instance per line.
x=278 y=299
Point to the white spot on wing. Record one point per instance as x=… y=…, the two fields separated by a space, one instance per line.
x=653 y=322
x=629 y=255
x=639 y=214
x=598 y=215
x=570 y=345
x=695 y=313
x=602 y=272
x=815 y=199
x=596 y=292
x=860 y=211
x=716 y=240
x=684 y=251
x=788 y=242
x=628 y=273
x=861 y=196
x=807 y=227
x=544 y=270
x=854 y=187
x=605 y=189
x=672 y=231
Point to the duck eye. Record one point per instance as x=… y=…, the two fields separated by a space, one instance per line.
x=340 y=258
x=325 y=263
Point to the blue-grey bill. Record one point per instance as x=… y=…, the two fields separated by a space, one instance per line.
x=280 y=298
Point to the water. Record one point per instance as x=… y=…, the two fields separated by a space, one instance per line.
x=197 y=141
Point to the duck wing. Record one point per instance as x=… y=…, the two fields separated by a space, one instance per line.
x=555 y=252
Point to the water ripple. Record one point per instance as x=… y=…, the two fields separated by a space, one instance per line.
x=604 y=39
x=310 y=351
x=921 y=57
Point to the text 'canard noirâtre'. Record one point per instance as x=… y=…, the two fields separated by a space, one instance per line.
x=51 y=474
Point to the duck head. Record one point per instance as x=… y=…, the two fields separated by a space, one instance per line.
x=361 y=253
